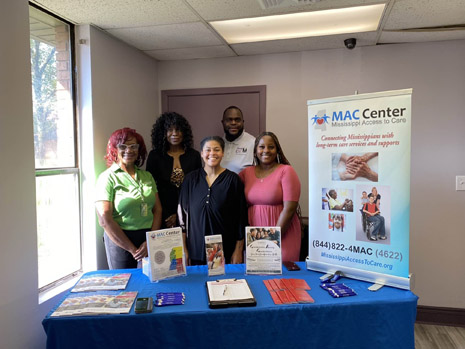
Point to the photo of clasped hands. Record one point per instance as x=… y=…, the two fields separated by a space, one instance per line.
x=356 y=166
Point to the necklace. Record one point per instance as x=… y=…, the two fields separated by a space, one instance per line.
x=262 y=174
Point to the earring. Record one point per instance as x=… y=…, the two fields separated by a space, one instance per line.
x=277 y=158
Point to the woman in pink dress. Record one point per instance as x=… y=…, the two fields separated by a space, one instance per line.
x=272 y=191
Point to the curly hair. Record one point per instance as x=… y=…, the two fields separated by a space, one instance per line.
x=165 y=122
x=280 y=158
x=119 y=137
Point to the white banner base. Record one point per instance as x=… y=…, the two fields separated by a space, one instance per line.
x=369 y=276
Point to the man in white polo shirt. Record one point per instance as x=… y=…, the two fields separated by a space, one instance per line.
x=238 y=150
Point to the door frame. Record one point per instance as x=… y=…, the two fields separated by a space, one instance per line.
x=260 y=89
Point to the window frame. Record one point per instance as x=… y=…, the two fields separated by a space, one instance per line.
x=44 y=172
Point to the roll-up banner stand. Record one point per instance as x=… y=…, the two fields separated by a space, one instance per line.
x=359 y=186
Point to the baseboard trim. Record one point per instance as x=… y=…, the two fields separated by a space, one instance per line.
x=440 y=316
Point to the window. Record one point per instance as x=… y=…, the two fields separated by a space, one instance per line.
x=55 y=147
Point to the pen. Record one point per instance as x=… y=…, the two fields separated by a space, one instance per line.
x=225 y=289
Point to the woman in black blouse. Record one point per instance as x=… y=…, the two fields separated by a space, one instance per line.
x=170 y=160
x=211 y=202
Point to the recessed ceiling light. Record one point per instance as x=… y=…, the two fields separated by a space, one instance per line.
x=266 y=4
x=302 y=24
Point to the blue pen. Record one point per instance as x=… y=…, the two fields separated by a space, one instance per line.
x=342 y=290
x=334 y=286
x=334 y=295
x=338 y=286
x=348 y=290
x=327 y=284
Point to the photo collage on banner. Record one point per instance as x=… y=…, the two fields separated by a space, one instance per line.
x=359 y=186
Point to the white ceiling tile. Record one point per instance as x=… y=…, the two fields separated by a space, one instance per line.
x=212 y=10
x=167 y=36
x=121 y=13
x=303 y=44
x=425 y=13
x=420 y=36
x=192 y=53
x=177 y=29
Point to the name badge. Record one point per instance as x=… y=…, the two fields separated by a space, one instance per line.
x=143 y=209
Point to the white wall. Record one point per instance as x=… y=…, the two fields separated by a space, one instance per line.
x=124 y=88
x=20 y=314
x=118 y=88
x=435 y=71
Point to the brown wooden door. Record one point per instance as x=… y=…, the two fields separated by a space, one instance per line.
x=204 y=107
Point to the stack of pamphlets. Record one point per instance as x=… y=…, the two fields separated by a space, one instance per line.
x=102 y=282
x=103 y=301
x=96 y=303
x=288 y=291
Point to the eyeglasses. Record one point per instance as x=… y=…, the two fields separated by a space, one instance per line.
x=124 y=147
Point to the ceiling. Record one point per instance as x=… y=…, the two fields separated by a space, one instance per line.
x=179 y=29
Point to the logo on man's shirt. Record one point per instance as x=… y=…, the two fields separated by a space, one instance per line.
x=241 y=150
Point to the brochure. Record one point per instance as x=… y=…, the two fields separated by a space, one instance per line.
x=215 y=254
x=263 y=250
x=166 y=254
x=102 y=282
x=229 y=292
x=288 y=291
x=96 y=304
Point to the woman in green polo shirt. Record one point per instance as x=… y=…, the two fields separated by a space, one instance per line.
x=126 y=200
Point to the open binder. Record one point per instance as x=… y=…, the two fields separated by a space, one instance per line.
x=229 y=293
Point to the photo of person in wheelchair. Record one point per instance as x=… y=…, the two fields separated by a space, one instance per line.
x=373 y=222
x=335 y=204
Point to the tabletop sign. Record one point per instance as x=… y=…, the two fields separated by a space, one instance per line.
x=263 y=250
x=166 y=254
x=215 y=254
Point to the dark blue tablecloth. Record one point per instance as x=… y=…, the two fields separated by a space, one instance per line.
x=382 y=319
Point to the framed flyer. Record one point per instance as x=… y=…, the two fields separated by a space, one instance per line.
x=215 y=254
x=166 y=254
x=263 y=250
